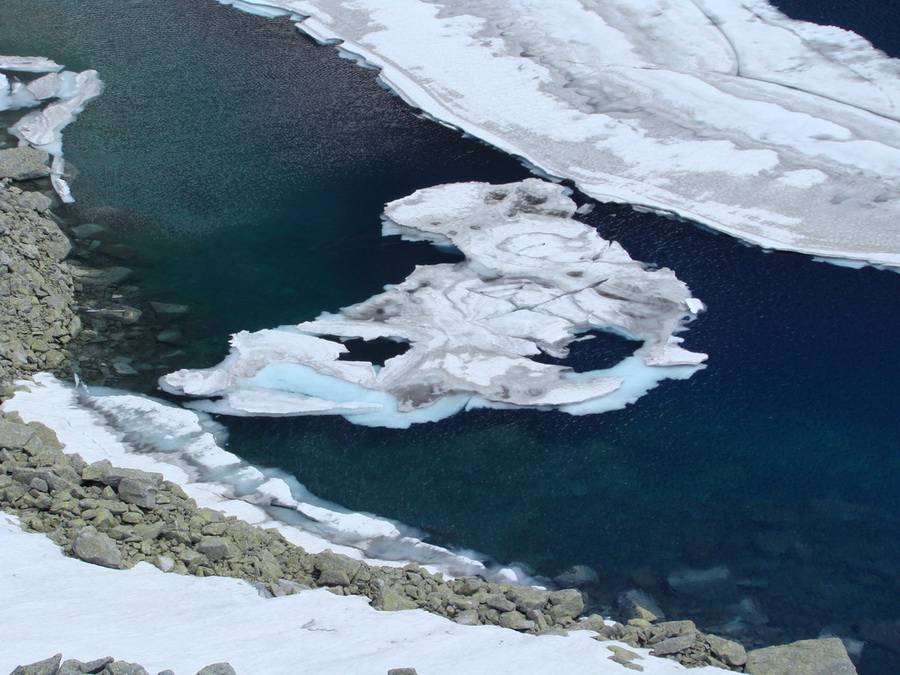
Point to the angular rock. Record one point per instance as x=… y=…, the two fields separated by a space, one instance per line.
x=674 y=645
x=95 y=547
x=139 y=492
x=516 y=621
x=701 y=582
x=566 y=605
x=807 y=657
x=23 y=163
x=217 y=669
x=728 y=652
x=125 y=668
x=76 y=667
x=576 y=577
x=402 y=671
x=637 y=604
x=45 y=667
x=468 y=617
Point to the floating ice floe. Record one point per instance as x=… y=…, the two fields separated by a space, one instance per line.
x=780 y=132
x=56 y=99
x=532 y=281
x=187 y=448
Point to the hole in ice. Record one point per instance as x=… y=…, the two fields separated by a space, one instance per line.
x=375 y=351
x=594 y=350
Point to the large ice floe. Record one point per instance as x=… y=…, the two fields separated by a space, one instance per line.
x=533 y=279
x=54 y=98
x=780 y=132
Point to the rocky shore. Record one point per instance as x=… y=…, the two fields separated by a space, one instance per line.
x=118 y=517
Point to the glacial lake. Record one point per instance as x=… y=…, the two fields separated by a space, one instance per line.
x=254 y=165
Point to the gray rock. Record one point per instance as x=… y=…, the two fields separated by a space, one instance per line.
x=45 y=667
x=516 y=621
x=89 y=231
x=701 y=582
x=674 y=645
x=217 y=669
x=23 y=163
x=500 y=603
x=166 y=672
x=577 y=576
x=137 y=491
x=566 y=605
x=402 y=671
x=637 y=604
x=93 y=546
x=14 y=434
x=468 y=617
x=115 y=475
x=35 y=201
x=528 y=597
x=807 y=657
x=728 y=652
x=124 y=668
x=217 y=548
x=76 y=667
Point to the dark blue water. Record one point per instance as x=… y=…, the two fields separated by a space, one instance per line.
x=249 y=166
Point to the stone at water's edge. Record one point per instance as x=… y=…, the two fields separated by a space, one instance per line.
x=23 y=163
x=36 y=289
x=806 y=657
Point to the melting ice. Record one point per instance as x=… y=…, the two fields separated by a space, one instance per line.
x=532 y=280
x=780 y=132
x=56 y=97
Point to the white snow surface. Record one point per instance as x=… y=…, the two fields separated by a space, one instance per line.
x=138 y=432
x=780 y=132
x=184 y=623
x=55 y=99
x=533 y=279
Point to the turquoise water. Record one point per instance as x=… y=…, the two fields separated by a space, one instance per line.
x=250 y=166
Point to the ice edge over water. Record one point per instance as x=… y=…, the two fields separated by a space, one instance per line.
x=533 y=279
x=780 y=132
x=187 y=448
x=57 y=97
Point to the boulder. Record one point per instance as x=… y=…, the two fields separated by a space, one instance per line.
x=138 y=491
x=124 y=668
x=23 y=163
x=674 y=645
x=808 y=657
x=76 y=667
x=576 y=577
x=217 y=669
x=730 y=653
x=93 y=546
x=45 y=667
x=637 y=604
x=701 y=582
x=565 y=605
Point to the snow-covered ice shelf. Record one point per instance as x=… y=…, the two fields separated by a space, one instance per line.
x=726 y=112
x=533 y=279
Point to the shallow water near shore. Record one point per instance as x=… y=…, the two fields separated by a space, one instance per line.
x=252 y=166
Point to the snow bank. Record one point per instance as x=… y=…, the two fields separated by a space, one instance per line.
x=56 y=97
x=58 y=604
x=726 y=112
x=533 y=279
x=186 y=448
